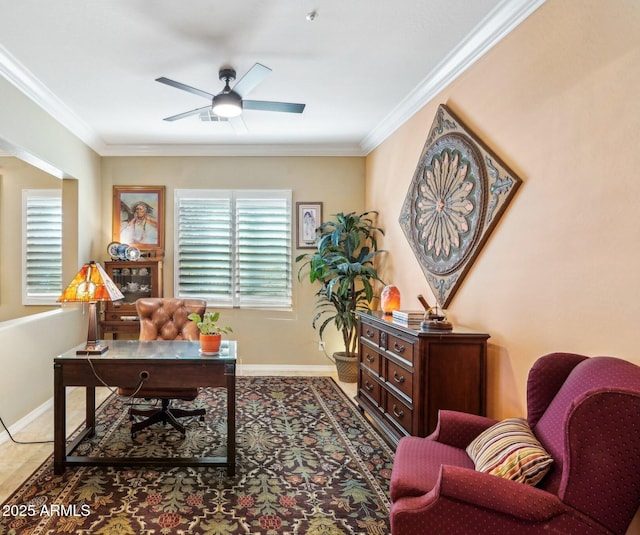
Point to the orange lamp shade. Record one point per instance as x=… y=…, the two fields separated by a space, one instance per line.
x=390 y=299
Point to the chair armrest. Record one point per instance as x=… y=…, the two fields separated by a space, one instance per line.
x=476 y=495
x=458 y=429
x=498 y=494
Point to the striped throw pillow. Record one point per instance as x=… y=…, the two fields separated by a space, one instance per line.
x=510 y=450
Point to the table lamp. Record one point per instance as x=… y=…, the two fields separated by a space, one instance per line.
x=389 y=300
x=90 y=285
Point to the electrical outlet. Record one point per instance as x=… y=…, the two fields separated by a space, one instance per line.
x=320 y=345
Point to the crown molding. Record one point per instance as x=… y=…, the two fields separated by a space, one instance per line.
x=496 y=25
x=353 y=149
x=24 y=80
x=491 y=30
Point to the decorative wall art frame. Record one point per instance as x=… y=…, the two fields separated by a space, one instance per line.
x=308 y=219
x=138 y=217
x=458 y=193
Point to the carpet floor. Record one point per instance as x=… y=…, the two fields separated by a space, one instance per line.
x=307 y=463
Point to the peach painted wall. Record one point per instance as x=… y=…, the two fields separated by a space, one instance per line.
x=559 y=101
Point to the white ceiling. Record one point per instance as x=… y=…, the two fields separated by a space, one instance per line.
x=362 y=67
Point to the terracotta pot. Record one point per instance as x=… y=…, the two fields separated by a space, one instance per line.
x=210 y=343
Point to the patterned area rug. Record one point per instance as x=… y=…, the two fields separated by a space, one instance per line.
x=307 y=463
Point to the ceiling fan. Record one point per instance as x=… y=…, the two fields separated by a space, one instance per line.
x=229 y=103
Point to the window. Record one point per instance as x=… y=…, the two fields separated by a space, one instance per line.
x=233 y=247
x=41 y=246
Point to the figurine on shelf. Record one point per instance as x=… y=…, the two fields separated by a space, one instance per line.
x=435 y=318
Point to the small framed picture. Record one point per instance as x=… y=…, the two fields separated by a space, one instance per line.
x=138 y=217
x=309 y=218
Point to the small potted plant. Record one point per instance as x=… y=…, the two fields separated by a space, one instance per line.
x=210 y=332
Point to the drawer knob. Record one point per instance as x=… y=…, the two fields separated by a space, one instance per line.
x=398 y=348
x=396 y=412
x=368 y=386
x=369 y=333
x=398 y=378
x=369 y=358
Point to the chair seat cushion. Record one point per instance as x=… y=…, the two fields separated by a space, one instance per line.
x=509 y=449
x=417 y=465
x=186 y=394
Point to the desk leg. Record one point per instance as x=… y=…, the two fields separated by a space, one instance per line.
x=90 y=406
x=59 y=420
x=231 y=422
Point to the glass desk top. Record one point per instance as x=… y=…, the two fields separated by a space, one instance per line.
x=156 y=349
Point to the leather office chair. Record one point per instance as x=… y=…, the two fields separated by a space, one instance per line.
x=165 y=319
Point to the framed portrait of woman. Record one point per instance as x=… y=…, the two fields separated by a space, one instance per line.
x=138 y=217
x=308 y=220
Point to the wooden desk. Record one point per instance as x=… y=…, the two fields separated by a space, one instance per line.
x=165 y=364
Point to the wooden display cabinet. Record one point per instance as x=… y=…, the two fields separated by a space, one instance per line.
x=405 y=376
x=137 y=279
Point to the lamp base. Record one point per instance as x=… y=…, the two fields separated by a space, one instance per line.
x=93 y=349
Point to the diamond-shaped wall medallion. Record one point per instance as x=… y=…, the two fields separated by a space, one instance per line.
x=459 y=191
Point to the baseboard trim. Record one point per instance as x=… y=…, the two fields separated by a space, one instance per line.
x=277 y=369
x=26 y=420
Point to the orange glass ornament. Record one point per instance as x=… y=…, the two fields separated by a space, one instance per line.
x=389 y=299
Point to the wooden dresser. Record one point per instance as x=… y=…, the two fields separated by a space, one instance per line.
x=406 y=376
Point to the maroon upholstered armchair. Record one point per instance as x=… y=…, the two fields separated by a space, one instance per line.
x=586 y=414
x=165 y=319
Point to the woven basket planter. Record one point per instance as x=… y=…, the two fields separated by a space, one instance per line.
x=347 y=367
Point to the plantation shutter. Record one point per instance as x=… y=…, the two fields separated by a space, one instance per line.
x=233 y=248
x=263 y=250
x=42 y=246
x=204 y=244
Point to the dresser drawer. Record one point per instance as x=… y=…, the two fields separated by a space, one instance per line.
x=399 y=378
x=120 y=326
x=370 y=333
x=371 y=359
x=131 y=317
x=400 y=348
x=399 y=412
x=369 y=387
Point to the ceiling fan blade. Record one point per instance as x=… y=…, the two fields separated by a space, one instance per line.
x=238 y=125
x=186 y=114
x=184 y=87
x=251 y=79
x=266 y=105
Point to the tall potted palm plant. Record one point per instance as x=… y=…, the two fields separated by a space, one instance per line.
x=343 y=266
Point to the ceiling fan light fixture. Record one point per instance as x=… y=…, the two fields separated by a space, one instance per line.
x=227 y=105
